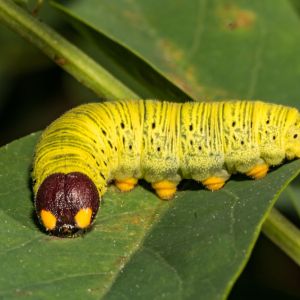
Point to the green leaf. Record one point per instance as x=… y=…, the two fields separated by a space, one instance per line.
x=201 y=242
x=294 y=193
x=210 y=49
x=289 y=200
x=196 y=244
x=283 y=233
x=126 y=65
x=38 y=265
x=64 y=53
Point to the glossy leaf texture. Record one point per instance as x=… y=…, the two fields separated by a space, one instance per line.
x=42 y=266
x=140 y=246
x=210 y=49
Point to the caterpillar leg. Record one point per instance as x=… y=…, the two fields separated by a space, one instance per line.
x=126 y=185
x=214 y=183
x=258 y=171
x=165 y=189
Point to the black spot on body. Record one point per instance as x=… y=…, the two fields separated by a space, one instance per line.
x=110 y=144
x=122 y=125
x=158 y=149
x=103 y=131
x=233 y=124
x=295 y=136
x=191 y=127
x=153 y=125
x=130 y=147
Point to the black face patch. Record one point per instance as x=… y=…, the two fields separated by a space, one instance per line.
x=64 y=195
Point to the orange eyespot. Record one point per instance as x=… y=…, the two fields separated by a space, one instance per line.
x=48 y=219
x=83 y=217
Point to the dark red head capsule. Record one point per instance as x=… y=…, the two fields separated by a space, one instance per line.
x=66 y=203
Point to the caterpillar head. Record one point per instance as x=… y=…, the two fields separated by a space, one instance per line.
x=66 y=203
x=292 y=141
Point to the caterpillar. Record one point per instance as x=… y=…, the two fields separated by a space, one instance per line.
x=161 y=142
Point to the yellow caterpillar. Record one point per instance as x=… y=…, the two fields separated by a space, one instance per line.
x=162 y=142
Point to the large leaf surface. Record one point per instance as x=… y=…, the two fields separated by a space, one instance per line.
x=211 y=49
x=194 y=245
x=34 y=263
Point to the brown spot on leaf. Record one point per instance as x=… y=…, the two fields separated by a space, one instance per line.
x=136 y=220
x=170 y=50
x=233 y=17
x=121 y=260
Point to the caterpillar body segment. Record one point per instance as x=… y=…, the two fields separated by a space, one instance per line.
x=165 y=189
x=162 y=142
x=214 y=183
x=126 y=185
x=258 y=171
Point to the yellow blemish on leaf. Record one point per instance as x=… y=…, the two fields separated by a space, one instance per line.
x=173 y=58
x=134 y=18
x=136 y=220
x=170 y=51
x=48 y=219
x=183 y=73
x=83 y=217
